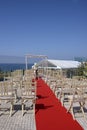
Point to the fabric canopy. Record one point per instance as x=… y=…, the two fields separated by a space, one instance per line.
x=59 y=64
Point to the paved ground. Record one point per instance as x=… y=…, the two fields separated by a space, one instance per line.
x=17 y=121
x=79 y=116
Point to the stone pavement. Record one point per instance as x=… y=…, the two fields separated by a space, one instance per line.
x=17 y=121
x=79 y=116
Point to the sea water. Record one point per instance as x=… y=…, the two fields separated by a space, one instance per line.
x=12 y=66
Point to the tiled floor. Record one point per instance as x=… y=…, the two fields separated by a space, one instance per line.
x=79 y=116
x=17 y=121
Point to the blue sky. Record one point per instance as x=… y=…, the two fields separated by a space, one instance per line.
x=56 y=28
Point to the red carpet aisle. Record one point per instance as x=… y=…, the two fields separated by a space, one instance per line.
x=50 y=115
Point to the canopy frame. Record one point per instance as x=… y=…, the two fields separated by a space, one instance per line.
x=28 y=56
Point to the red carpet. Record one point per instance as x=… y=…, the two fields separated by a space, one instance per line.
x=50 y=115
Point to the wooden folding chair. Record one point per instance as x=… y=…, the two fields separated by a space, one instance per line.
x=7 y=94
x=79 y=100
x=28 y=94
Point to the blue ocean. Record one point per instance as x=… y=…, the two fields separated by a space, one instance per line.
x=11 y=66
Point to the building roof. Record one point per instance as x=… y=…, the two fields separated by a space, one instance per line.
x=60 y=64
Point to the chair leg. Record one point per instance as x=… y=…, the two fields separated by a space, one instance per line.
x=11 y=108
x=34 y=101
x=82 y=109
x=15 y=96
x=22 y=107
x=72 y=113
x=71 y=109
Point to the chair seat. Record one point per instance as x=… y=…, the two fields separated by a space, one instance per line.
x=6 y=98
x=28 y=97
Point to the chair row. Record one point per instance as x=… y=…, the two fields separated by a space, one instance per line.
x=70 y=91
x=8 y=93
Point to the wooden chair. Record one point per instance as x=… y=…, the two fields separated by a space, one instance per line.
x=28 y=94
x=7 y=94
x=78 y=99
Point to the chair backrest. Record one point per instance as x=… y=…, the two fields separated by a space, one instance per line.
x=29 y=74
x=29 y=87
x=17 y=73
x=7 y=88
x=1 y=89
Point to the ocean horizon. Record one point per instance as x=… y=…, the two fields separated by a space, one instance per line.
x=13 y=66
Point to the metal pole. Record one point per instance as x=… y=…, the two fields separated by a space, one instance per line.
x=26 y=62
